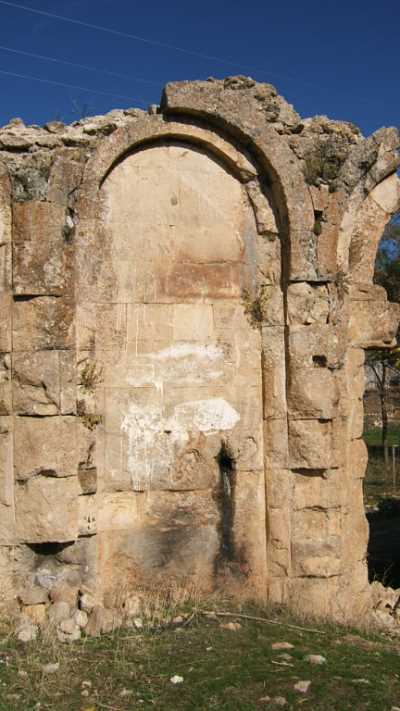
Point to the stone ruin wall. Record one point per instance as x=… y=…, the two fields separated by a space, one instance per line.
x=185 y=300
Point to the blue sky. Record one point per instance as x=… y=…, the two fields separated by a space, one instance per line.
x=335 y=58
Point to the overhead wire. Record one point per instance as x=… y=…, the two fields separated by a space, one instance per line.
x=146 y=40
x=67 y=63
x=67 y=86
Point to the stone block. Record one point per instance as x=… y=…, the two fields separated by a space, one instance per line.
x=5 y=267
x=307 y=304
x=274 y=372
x=355 y=372
x=245 y=437
x=318 y=490
x=5 y=320
x=316 y=345
x=316 y=543
x=271 y=305
x=313 y=393
x=355 y=523
x=156 y=322
x=8 y=536
x=44 y=383
x=387 y=194
x=65 y=177
x=192 y=322
x=42 y=257
x=269 y=260
x=45 y=446
x=6 y=462
x=314 y=596
x=102 y=327
x=327 y=226
x=87 y=515
x=277 y=591
x=357 y=459
x=373 y=323
x=265 y=218
x=67 y=369
x=279 y=487
x=47 y=509
x=276 y=444
x=5 y=208
x=43 y=322
x=369 y=225
x=278 y=537
x=7 y=512
x=7 y=590
x=356 y=419
x=312 y=445
x=5 y=384
x=248 y=535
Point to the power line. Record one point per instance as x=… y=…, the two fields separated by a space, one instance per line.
x=146 y=40
x=67 y=63
x=118 y=33
x=66 y=86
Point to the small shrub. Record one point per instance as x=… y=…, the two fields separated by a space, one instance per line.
x=90 y=376
x=254 y=307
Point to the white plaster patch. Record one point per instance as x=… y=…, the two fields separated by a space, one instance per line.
x=205 y=416
x=187 y=363
x=189 y=350
x=153 y=438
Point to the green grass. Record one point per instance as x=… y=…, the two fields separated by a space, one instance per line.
x=373 y=436
x=222 y=669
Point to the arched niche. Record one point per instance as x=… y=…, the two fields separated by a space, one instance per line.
x=169 y=265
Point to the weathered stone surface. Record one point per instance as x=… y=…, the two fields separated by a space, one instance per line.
x=41 y=251
x=5 y=206
x=5 y=319
x=358 y=458
x=7 y=512
x=47 y=509
x=65 y=177
x=276 y=443
x=7 y=589
x=312 y=444
x=44 y=383
x=46 y=447
x=43 y=322
x=316 y=543
x=5 y=384
x=315 y=346
x=308 y=304
x=5 y=267
x=317 y=489
x=274 y=372
x=313 y=394
x=279 y=487
x=373 y=322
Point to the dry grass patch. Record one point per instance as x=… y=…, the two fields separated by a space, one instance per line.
x=228 y=669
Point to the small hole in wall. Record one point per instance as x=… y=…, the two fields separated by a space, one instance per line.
x=48 y=548
x=319 y=361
